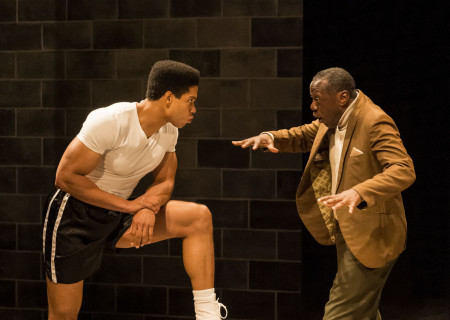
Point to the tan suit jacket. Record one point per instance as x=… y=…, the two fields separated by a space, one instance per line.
x=374 y=162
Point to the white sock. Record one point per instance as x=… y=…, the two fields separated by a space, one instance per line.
x=205 y=304
x=204 y=295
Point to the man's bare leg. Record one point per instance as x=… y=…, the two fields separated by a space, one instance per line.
x=193 y=223
x=64 y=300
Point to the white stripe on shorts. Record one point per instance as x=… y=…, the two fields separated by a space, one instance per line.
x=46 y=221
x=55 y=230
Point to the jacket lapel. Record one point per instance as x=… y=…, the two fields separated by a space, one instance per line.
x=349 y=133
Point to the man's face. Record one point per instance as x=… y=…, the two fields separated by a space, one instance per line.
x=182 y=110
x=325 y=106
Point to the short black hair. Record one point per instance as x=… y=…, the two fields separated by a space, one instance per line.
x=338 y=80
x=174 y=76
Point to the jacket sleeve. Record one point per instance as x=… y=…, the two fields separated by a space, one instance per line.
x=296 y=139
x=397 y=169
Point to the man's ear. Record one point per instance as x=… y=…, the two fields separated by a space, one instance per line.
x=168 y=97
x=344 y=97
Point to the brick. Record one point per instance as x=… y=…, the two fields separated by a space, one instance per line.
x=91 y=10
x=290 y=63
x=16 y=314
x=99 y=297
x=180 y=302
x=281 y=215
x=249 y=244
x=21 y=151
x=137 y=63
x=223 y=93
x=231 y=274
x=54 y=149
x=253 y=184
x=29 y=237
x=67 y=35
x=8 y=293
x=285 y=276
x=250 y=304
x=31 y=294
x=43 y=10
x=7 y=236
x=196 y=8
x=248 y=63
x=7 y=64
x=240 y=124
x=118 y=34
x=287 y=119
x=20 y=36
x=66 y=94
x=19 y=208
x=107 y=92
x=36 y=180
x=197 y=182
x=206 y=61
x=40 y=122
x=167 y=271
x=267 y=160
x=40 y=65
x=290 y=8
x=289 y=246
x=11 y=94
x=228 y=213
x=75 y=119
x=8 y=11
x=141 y=299
x=249 y=8
x=276 y=94
x=289 y=305
x=7 y=122
x=221 y=154
x=287 y=184
x=206 y=124
x=18 y=266
x=223 y=32
x=119 y=269
x=186 y=153
x=143 y=9
x=277 y=32
x=90 y=65
x=177 y=33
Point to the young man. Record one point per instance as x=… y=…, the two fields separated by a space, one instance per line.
x=115 y=148
x=349 y=194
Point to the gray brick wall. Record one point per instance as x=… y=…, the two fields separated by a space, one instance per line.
x=61 y=59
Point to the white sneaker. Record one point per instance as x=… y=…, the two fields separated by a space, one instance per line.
x=210 y=310
x=219 y=309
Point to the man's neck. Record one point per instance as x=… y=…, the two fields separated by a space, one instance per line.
x=151 y=116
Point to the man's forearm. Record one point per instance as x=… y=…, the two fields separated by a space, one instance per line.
x=163 y=190
x=85 y=190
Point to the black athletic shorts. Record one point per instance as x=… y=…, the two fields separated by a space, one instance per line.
x=75 y=234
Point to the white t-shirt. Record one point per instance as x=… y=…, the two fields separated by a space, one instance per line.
x=127 y=153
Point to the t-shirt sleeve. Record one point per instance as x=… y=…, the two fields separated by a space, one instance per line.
x=98 y=130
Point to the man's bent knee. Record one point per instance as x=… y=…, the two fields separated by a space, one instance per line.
x=203 y=219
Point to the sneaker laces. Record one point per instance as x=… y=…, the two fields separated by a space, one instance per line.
x=219 y=308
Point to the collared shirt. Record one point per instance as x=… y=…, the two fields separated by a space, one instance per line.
x=336 y=144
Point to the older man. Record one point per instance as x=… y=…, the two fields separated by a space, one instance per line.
x=349 y=194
